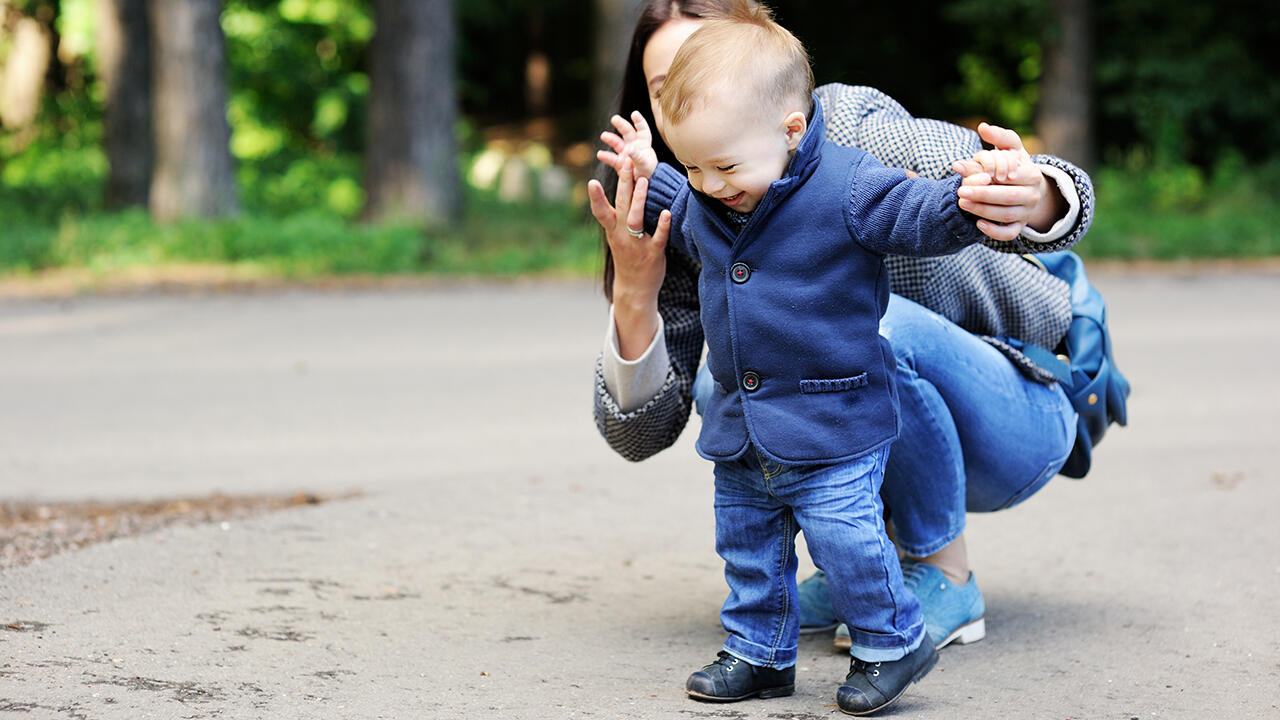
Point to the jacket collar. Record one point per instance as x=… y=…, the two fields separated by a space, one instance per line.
x=807 y=154
x=803 y=164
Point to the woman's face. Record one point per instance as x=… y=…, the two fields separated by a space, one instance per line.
x=658 y=55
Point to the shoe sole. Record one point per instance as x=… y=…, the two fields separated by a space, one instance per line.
x=764 y=694
x=933 y=660
x=965 y=634
x=843 y=643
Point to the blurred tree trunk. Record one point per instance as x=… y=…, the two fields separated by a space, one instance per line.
x=537 y=67
x=23 y=75
x=194 y=172
x=411 y=163
x=48 y=13
x=614 y=23
x=124 y=59
x=1065 y=116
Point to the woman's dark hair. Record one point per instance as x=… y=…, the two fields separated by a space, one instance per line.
x=634 y=94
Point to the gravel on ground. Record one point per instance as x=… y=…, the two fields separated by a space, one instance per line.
x=30 y=531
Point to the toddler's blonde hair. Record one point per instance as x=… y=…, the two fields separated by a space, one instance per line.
x=744 y=52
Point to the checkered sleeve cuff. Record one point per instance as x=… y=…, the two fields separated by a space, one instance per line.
x=1065 y=224
x=647 y=430
x=1071 y=180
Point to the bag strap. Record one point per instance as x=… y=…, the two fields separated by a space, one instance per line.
x=1059 y=365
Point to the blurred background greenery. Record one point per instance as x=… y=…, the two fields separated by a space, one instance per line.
x=1180 y=122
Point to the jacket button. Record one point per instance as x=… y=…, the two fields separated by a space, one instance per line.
x=750 y=381
x=740 y=273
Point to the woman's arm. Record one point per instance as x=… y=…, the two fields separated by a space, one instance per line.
x=868 y=119
x=655 y=285
x=655 y=424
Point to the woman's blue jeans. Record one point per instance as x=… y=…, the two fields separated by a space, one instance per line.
x=760 y=506
x=976 y=435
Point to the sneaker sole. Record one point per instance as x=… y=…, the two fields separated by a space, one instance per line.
x=764 y=694
x=843 y=643
x=965 y=634
x=914 y=679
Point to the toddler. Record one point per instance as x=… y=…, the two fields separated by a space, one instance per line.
x=791 y=234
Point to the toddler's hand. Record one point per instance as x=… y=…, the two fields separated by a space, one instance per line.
x=988 y=167
x=1003 y=187
x=633 y=140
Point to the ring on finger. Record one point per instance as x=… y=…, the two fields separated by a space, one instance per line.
x=634 y=232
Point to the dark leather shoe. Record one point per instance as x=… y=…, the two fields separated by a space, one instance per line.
x=873 y=686
x=729 y=679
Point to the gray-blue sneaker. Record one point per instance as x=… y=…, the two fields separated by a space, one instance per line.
x=952 y=613
x=816 y=612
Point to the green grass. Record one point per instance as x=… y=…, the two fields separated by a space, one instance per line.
x=1183 y=212
x=299 y=221
x=50 y=218
x=494 y=239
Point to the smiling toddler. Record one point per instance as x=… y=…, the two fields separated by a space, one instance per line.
x=791 y=233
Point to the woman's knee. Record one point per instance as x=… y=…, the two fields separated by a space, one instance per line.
x=1023 y=472
x=990 y=497
x=914 y=331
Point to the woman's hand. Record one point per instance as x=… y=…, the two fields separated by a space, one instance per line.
x=1005 y=200
x=633 y=140
x=639 y=259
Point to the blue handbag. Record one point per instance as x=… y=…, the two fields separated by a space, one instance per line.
x=1083 y=362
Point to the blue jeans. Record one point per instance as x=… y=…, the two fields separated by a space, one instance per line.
x=760 y=506
x=976 y=434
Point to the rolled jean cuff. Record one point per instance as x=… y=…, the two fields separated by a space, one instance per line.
x=759 y=655
x=882 y=654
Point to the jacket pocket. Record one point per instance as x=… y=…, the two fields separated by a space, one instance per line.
x=833 y=385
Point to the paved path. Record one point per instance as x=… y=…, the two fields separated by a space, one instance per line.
x=503 y=563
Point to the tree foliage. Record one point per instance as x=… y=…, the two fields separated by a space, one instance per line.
x=1187 y=81
x=1175 y=82
x=298 y=74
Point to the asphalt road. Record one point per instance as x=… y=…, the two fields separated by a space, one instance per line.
x=502 y=562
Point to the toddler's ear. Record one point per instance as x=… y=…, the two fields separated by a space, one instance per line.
x=795 y=125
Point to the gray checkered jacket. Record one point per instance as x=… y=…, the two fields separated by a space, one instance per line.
x=989 y=290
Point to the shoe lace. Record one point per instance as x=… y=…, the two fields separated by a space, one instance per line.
x=724 y=660
x=912 y=574
x=861 y=667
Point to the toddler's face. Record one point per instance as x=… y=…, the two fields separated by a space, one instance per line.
x=731 y=153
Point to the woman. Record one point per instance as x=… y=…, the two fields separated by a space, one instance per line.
x=982 y=428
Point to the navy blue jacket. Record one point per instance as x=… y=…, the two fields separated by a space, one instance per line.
x=791 y=305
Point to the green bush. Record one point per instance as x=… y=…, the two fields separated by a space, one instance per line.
x=282 y=186
x=46 y=181
x=495 y=238
x=1162 y=212
x=299 y=220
